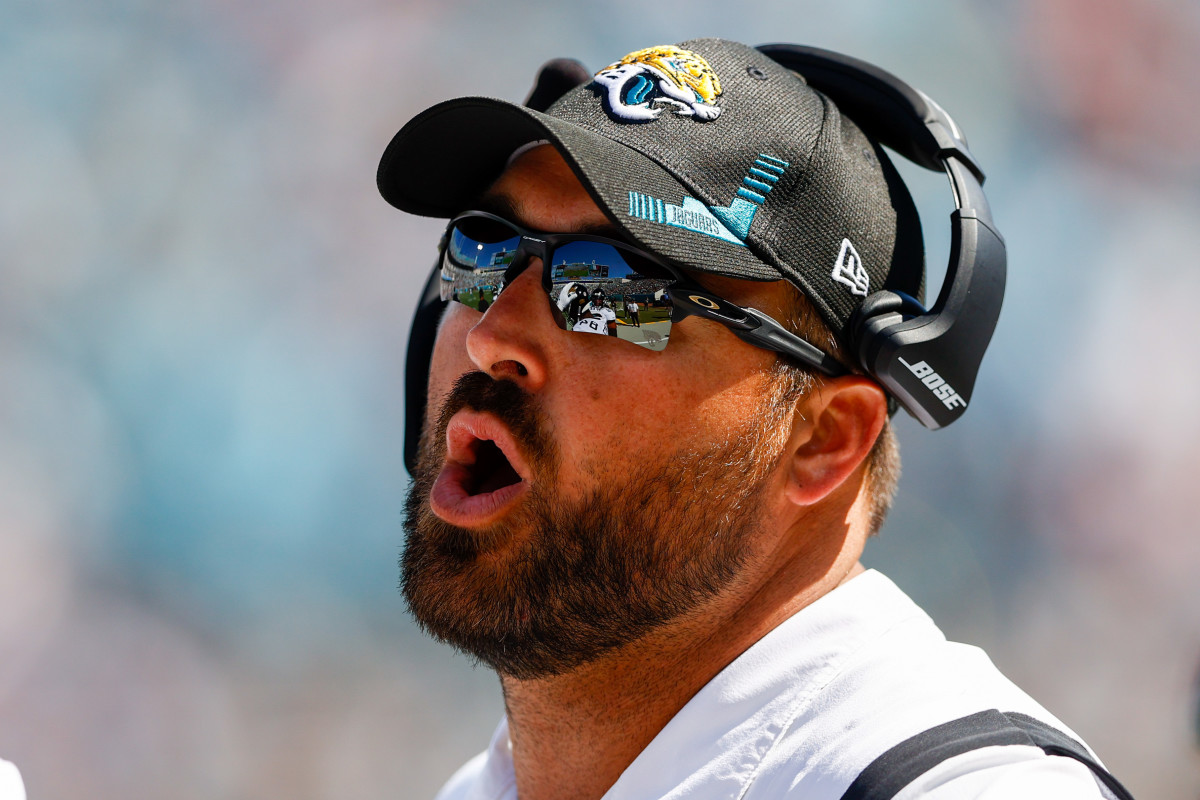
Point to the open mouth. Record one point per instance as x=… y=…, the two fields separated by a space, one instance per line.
x=491 y=470
x=484 y=472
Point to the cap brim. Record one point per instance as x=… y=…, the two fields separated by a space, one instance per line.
x=451 y=153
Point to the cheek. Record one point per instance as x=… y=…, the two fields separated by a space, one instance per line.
x=450 y=360
x=722 y=414
x=635 y=417
x=720 y=383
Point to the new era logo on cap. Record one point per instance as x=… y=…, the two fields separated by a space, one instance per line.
x=849 y=270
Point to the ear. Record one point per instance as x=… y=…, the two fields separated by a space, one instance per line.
x=834 y=429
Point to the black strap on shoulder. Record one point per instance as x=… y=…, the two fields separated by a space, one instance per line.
x=898 y=767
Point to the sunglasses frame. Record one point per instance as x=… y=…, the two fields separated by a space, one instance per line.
x=688 y=298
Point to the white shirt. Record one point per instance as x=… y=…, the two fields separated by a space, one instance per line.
x=811 y=704
x=11 y=787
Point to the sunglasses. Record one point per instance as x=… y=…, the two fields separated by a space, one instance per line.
x=598 y=285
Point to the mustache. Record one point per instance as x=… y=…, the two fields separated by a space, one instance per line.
x=509 y=403
x=527 y=424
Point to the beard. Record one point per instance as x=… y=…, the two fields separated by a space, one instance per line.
x=587 y=576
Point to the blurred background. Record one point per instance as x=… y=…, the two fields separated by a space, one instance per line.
x=203 y=313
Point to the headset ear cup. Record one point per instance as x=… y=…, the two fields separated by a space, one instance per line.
x=877 y=313
x=869 y=330
x=554 y=79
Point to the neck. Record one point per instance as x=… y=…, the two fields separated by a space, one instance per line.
x=574 y=734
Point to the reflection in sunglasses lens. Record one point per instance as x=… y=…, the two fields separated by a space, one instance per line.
x=595 y=287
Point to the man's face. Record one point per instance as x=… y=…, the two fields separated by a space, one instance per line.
x=575 y=492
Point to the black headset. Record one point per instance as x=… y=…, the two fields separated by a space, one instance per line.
x=926 y=359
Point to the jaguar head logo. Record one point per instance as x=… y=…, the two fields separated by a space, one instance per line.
x=639 y=86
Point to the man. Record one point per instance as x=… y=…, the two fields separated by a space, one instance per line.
x=631 y=309
x=699 y=626
x=597 y=317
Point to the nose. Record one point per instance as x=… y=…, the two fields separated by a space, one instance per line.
x=510 y=339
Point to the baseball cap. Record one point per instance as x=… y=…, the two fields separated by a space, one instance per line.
x=707 y=153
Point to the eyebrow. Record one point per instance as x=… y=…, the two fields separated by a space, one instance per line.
x=504 y=206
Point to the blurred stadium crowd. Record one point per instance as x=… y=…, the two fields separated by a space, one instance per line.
x=203 y=312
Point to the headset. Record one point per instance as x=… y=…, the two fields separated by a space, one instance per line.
x=926 y=359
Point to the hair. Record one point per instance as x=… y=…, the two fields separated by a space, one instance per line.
x=883 y=462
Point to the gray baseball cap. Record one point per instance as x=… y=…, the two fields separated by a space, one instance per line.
x=708 y=154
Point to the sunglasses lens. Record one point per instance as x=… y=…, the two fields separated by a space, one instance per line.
x=605 y=289
x=478 y=251
x=595 y=287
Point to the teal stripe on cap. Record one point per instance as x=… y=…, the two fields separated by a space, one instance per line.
x=753 y=184
x=749 y=195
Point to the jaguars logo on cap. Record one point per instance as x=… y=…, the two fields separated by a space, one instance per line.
x=639 y=86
